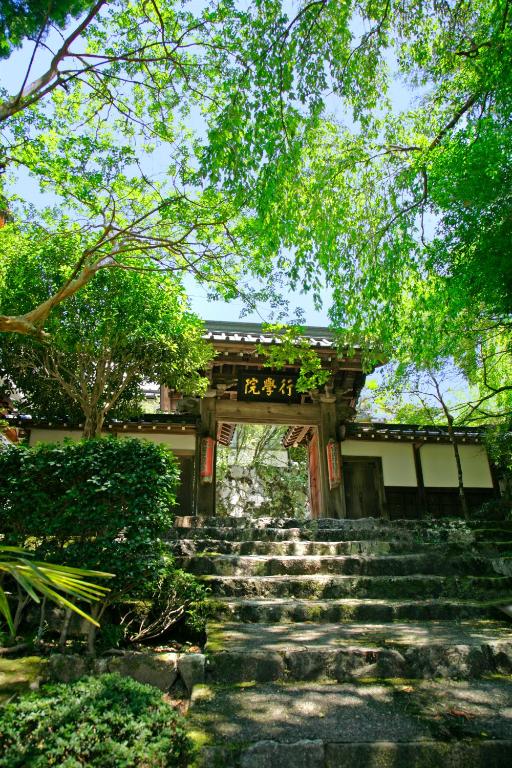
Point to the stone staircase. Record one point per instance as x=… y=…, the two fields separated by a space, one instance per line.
x=353 y=643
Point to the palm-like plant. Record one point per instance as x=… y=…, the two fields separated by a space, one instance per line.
x=49 y=580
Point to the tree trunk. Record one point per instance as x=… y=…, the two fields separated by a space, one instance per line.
x=93 y=423
x=453 y=440
x=96 y=612
x=460 y=479
x=42 y=621
x=64 y=631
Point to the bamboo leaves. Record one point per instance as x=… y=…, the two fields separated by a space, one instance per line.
x=49 y=580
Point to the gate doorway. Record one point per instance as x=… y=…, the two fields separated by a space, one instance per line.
x=260 y=472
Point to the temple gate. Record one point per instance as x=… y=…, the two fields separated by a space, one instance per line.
x=242 y=390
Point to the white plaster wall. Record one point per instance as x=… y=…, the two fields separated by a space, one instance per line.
x=184 y=444
x=53 y=435
x=440 y=470
x=397 y=459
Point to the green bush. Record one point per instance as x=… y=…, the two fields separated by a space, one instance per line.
x=104 y=722
x=495 y=509
x=102 y=504
x=179 y=596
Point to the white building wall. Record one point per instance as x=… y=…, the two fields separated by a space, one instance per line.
x=397 y=459
x=53 y=435
x=440 y=469
x=184 y=444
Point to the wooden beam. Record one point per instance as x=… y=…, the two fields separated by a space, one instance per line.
x=268 y=413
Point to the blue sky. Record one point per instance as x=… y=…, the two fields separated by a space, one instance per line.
x=12 y=73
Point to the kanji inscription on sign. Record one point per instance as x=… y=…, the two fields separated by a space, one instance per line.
x=268 y=387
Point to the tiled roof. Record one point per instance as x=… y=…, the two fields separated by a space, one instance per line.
x=252 y=333
x=427 y=432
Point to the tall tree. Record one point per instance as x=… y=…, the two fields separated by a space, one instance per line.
x=428 y=395
x=390 y=204
x=105 y=130
x=123 y=328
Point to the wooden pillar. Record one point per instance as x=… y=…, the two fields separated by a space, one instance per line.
x=165 y=399
x=314 y=485
x=205 y=492
x=333 y=500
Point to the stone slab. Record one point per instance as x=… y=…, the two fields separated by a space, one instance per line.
x=187 y=547
x=347 y=652
x=328 y=586
x=280 y=637
x=369 y=565
x=330 y=611
x=401 y=711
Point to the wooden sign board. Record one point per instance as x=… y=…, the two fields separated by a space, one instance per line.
x=333 y=464
x=267 y=388
x=207 y=459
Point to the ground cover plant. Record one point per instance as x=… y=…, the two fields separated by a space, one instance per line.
x=104 y=722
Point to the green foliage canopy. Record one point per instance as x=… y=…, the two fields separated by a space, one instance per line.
x=301 y=164
x=123 y=328
x=21 y=19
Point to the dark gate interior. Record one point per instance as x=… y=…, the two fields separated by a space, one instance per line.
x=364 y=486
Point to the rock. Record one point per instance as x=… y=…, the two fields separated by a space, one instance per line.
x=191 y=669
x=100 y=666
x=65 y=668
x=301 y=754
x=236 y=472
x=21 y=674
x=503 y=565
x=159 y=670
x=236 y=666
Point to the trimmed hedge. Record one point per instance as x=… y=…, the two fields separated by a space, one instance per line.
x=103 y=722
x=103 y=504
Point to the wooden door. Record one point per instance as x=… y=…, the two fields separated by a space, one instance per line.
x=364 y=486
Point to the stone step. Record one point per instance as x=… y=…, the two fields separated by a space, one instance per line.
x=502 y=547
x=250 y=533
x=369 y=565
x=189 y=547
x=374 y=523
x=401 y=724
x=282 y=610
x=344 y=652
x=413 y=537
x=324 y=586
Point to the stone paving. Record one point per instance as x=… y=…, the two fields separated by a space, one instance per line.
x=352 y=643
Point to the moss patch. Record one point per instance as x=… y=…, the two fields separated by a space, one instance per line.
x=21 y=674
x=216 y=639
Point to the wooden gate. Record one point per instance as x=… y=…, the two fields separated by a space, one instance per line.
x=364 y=486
